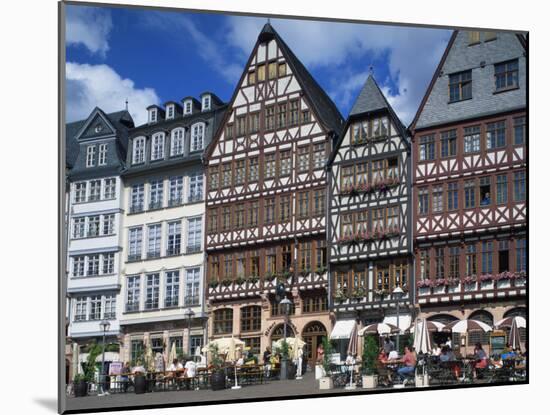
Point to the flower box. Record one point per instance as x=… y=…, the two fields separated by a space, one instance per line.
x=504 y=283
x=470 y=286
x=423 y=290
x=486 y=284
x=439 y=289
x=453 y=288
x=520 y=282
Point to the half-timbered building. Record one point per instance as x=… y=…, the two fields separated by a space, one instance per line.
x=369 y=215
x=469 y=164
x=266 y=202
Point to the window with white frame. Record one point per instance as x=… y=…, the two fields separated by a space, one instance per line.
x=157 y=151
x=192 y=285
x=187 y=107
x=206 y=102
x=169 y=112
x=155 y=194
x=152 y=289
x=90 y=156
x=471 y=139
x=197 y=137
x=134 y=244
x=194 y=232
x=138 y=150
x=79 y=227
x=109 y=191
x=109 y=224
x=80 y=192
x=137 y=198
x=95 y=190
x=195 y=186
x=153 y=115
x=102 y=161
x=176 y=191
x=133 y=293
x=173 y=245
x=93 y=226
x=78 y=266
x=153 y=240
x=108 y=263
x=109 y=312
x=176 y=143
x=81 y=308
x=95 y=307
x=171 y=297
x=93 y=265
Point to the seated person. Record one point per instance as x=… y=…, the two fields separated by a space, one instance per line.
x=510 y=354
x=436 y=351
x=384 y=375
x=175 y=366
x=481 y=359
x=486 y=200
x=409 y=359
x=446 y=354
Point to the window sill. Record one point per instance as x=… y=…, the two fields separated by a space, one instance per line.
x=83 y=277
x=508 y=89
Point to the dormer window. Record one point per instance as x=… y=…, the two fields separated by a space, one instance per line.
x=90 y=156
x=157 y=150
x=206 y=103
x=138 y=151
x=169 y=112
x=197 y=136
x=102 y=155
x=153 y=115
x=187 y=108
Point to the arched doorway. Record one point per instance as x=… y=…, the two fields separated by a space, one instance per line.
x=278 y=332
x=441 y=337
x=312 y=335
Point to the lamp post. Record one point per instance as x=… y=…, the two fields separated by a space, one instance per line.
x=285 y=303
x=189 y=313
x=105 y=325
x=397 y=294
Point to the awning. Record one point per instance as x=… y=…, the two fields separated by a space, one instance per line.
x=404 y=321
x=342 y=329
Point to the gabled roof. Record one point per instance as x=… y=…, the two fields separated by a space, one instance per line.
x=327 y=112
x=370 y=100
x=521 y=38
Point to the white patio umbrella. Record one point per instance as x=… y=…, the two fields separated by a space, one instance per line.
x=467 y=325
x=149 y=361
x=422 y=340
x=507 y=322
x=378 y=328
x=294 y=344
x=514 y=337
x=173 y=354
x=227 y=346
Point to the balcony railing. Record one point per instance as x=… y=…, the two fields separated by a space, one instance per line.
x=502 y=281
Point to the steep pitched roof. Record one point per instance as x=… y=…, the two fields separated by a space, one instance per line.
x=327 y=112
x=324 y=107
x=370 y=100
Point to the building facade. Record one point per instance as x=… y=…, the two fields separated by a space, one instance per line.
x=96 y=149
x=266 y=202
x=469 y=164
x=163 y=199
x=369 y=230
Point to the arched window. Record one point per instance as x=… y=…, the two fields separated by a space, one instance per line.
x=197 y=136
x=223 y=321
x=176 y=142
x=138 y=150
x=251 y=318
x=313 y=334
x=278 y=332
x=478 y=336
x=157 y=149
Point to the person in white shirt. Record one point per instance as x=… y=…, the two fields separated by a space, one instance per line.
x=449 y=343
x=175 y=366
x=299 y=363
x=436 y=351
x=190 y=372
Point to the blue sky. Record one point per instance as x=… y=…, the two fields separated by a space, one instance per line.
x=151 y=57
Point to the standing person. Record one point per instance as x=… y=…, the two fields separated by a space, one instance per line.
x=388 y=345
x=449 y=343
x=320 y=354
x=190 y=370
x=410 y=364
x=267 y=361
x=299 y=363
x=124 y=376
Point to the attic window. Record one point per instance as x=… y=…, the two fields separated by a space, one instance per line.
x=282 y=69
x=187 y=108
x=153 y=115
x=170 y=112
x=473 y=37
x=206 y=103
x=261 y=73
x=251 y=78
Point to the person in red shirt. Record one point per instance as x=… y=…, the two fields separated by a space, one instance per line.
x=410 y=364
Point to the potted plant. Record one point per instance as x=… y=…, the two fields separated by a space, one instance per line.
x=80 y=385
x=470 y=283
x=213 y=284
x=520 y=279
x=368 y=362
x=486 y=281
x=340 y=295
x=217 y=378
x=358 y=293
x=424 y=286
x=227 y=282
x=240 y=280
x=325 y=382
x=253 y=279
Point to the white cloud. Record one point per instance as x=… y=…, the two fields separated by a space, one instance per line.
x=89 y=26
x=411 y=54
x=89 y=86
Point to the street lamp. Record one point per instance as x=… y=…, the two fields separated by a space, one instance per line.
x=285 y=305
x=189 y=313
x=397 y=294
x=105 y=325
